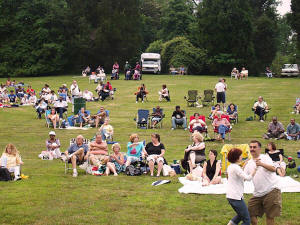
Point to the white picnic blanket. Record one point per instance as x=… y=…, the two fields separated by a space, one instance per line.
x=286 y=184
x=76 y=128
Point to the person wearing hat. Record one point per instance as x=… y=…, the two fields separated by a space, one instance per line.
x=52 y=148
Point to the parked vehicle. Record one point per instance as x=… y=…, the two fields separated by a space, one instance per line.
x=290 y=70
x=151 y=63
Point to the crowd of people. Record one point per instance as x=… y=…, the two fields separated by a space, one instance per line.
x=261 y=169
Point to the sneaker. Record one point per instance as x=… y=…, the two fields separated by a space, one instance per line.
x=172 y=128
x=142 y=101
x=75 y=174
x=84 y=166
x=17 y=178
x=135 y=101
x=262 y=121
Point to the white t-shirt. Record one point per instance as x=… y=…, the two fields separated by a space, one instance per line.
x=235 y=185
x=60 y=104
x=264 y=180
x=220 y=87
x=262 y=104
x=197 y=123
x=88 y=95
x=74 y=90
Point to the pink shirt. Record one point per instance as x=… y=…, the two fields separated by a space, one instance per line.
x=223 y=121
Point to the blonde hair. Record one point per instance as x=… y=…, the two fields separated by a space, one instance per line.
x=198 y=136
x=133 y=136
x=14 y=150
x=115 y=145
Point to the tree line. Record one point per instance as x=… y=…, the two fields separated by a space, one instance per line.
x=41 y=37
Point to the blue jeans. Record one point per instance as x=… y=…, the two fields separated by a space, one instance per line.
x=241 y=209
x=179 y=121
x=222 y=130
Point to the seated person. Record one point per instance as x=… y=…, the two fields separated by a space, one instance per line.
x=52 y=97
x=12 y=97
x=94 y=77
x=4 y=97
x=293 y=131
x=76 y=154
x=106 y=130
x=275 y=130
x=11 y=160
x=214 y=110
x=173 y=70
x=260 y=108
x=87 y=95
x=82 y=117
x=46 y=89
x=178 y=117
x=128 y=75
x=194 y=153
x=106 y=91
x=164 y=93
x=24 y=100
x=181 y=70
x=32 y=100
x=297 y=106
x=41 y=108
x=116 y=162
x=232 y=111
x=62 y=93
x=155 y=151
x=30 y=90
x=52 y=148
x=277 y=159
x=136 y=75
x=64 y=89
x=222 y=125
x=269 y=72
x=235 y=73
x=98 y=154
x=8 y=82
x=156 y=116
x=2 y=88
x=141 y=93
x=134 y=150
x=211 y=169
x=101 y=75
x=53 y=117
x=197 y=124
x=60 y=106
x=244 y=73
x=20 y=92
x=100 y=116
x=99 y=88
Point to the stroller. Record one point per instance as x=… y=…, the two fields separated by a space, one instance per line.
x=114 y=74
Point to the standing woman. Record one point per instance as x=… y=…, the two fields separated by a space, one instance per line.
x=155 y=154
x=11 y=160
x=235 y=187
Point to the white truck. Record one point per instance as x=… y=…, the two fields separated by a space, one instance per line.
x=290 y=70
x=151 y=63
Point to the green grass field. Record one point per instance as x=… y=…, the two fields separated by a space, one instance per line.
x=51 y=197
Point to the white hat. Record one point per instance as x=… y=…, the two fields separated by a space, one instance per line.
x=52 y=133
x=65 y=85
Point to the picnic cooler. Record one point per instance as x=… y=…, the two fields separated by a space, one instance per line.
x=227 y=147
x=78 y=104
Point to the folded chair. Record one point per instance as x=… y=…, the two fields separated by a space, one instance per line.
x=192 y=98
x=67 y=164
x=209 y=98
x=160 y=123
x=142 y=120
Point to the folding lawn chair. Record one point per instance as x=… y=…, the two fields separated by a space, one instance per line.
x=142 y=120
x=160 y=123
x=201 y=117
x=216 y=131
x=236 y=119
x=265 y=115
x=209 y=98
x=192 y=98
x=48 y=121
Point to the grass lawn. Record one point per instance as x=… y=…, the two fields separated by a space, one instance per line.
x=51 y=197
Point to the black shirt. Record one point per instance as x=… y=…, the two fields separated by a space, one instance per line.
x=154 y=150
x=211 y=169
x=178 y=115
x=274 y=156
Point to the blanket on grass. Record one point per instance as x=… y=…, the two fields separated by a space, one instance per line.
x=286 y=184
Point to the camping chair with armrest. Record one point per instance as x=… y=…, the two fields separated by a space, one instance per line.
x=201 y=117
x=265 y=115
x=192 y=98
x=236 y=119
x=208 y=98
x=142 y=119
x=160 y=123
x=67 y=163
x=76 y=120
x=93 y=120
x=216 y=131
x=180 y=124
x=48 y=121
x=291 y=162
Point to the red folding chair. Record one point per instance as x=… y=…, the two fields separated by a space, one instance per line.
x=201 y=117
x=216 y=130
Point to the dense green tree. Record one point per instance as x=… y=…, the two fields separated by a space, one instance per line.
x=226 y=32
x=155 y=47
x=294 y=19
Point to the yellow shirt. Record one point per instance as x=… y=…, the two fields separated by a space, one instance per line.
x=12 y=160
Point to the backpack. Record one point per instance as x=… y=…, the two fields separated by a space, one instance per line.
x=5 y=174
x=132 y=171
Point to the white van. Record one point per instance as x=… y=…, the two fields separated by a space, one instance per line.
x=151 y=63
x=290 y=70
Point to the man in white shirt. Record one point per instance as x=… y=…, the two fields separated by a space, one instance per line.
x=220 y=89
x=60 y=106
x=266 y=196
x=260 y=108
x=88 y=95
x=74 y=89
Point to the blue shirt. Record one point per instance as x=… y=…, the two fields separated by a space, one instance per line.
x=12 y=97
x=136 y=150
x=74 y=147
x=293 y=129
